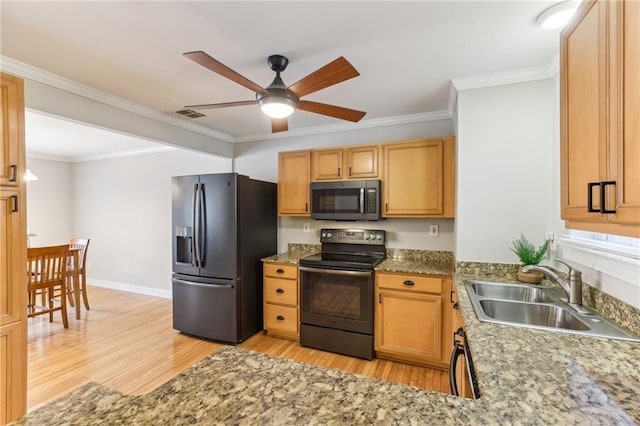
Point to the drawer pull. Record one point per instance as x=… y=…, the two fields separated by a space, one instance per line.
x=280 y=318
x=280 y=271
x=279 y=290
x=409 y=283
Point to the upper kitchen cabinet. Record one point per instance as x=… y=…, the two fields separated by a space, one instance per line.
x=418 y=178
x=294 y=178
x=356 y=162
x=11 y=115
x=600 y=130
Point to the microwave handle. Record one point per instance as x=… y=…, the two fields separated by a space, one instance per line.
x=361 y=200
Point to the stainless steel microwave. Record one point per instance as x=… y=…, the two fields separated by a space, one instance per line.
x=346 y=200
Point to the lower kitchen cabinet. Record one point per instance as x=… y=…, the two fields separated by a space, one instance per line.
x=281 y=312
x=413 y=319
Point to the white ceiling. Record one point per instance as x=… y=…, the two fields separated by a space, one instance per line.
x=406 y=52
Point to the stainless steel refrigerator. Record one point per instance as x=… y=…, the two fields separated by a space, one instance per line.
x=223 y=224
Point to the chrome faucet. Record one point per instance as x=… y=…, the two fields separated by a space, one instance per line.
x=573 y=288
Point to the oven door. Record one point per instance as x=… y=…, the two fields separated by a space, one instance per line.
x=335 y=298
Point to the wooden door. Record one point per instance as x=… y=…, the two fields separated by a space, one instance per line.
x=413 y=178
x=624 y=160
x=327 y=164
x=13 y=255
x=409 y=324
x=294 y=176
x=583 y=104
x=362 y=162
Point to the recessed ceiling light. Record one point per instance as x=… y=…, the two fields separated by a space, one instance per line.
x=557 y=15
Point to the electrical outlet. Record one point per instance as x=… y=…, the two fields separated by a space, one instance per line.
x=306 y=227
x=433 y=230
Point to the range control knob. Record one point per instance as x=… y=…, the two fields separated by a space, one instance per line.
x=378 y=237
x=323 y=234
x=367 y=236
x=329 y=235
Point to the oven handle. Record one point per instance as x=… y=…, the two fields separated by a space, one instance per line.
x=335 y=271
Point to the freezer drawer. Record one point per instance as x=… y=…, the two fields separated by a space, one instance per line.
x=205 y=309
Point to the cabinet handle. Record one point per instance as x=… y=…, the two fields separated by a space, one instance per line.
x=339 y=170
x=349 y=170
x=409 y=282
x=280 y=318
x=386 y=207
x=14 y=209
x=279 y=291
x=603 y=193
x=306 y=207
x=451 y=297
x=14 y=173
x=379 y=297
x=279 y=271
x=590 y=187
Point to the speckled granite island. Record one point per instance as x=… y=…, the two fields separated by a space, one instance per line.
x=528 y=376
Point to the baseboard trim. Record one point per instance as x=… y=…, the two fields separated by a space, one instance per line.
x=131 y=288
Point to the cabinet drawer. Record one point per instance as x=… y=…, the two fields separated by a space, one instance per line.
x=280 y=318
x=410 y=282
x=279 y=290
x=281 y=271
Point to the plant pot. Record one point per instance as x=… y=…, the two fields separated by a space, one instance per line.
x=533 y=277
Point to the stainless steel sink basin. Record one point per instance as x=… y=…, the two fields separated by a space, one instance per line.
x=516 y=292
x=539 y=307
x=533 y=314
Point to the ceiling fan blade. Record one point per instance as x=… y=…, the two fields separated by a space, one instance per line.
x=279 y=125
x=332 y=110
x=208 y=62
x=333 y=73
x=222 y=105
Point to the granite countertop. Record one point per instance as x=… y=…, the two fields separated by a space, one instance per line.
x=544 y=377
x=294 y=253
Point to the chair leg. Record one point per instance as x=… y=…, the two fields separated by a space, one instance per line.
x=70 y=294
x=63 y=298
x=83 y=290
x=49 y=293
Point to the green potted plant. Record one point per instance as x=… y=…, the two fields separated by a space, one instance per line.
x=529 y=255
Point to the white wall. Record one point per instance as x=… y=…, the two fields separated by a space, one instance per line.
x=260 y=160
x=507 y=169
x=49 y=202
x=124 y=206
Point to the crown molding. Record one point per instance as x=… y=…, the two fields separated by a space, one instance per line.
x=27 y=71
x=342 y=127
x=522 y=75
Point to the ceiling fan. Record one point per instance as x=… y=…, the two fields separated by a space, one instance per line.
x=279 y=101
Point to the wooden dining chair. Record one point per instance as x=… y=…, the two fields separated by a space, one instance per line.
x=46 y=275
x=80 y=244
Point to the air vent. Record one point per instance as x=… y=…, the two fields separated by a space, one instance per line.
x=190 y=113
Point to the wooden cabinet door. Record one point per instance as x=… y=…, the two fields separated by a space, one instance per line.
x=293 y=183
x=413 y=178
x=583 y=111
x=13 y=254
x=624 y=155
x=11 y=126
x=409 y=324
x=327 y=164
x=362 y=162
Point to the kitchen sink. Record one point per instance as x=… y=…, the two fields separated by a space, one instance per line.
x=538 y=307
x=533 y=314
x=523 y=293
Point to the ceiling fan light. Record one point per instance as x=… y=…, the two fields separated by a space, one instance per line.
x=277 y=107
x=557 y=16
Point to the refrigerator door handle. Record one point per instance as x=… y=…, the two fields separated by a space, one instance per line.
x=202 y=235
x=195 y=226
x=193 y=283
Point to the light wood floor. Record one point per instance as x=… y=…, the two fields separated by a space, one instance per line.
x=126 y=342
